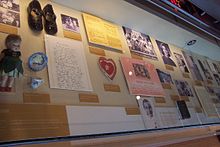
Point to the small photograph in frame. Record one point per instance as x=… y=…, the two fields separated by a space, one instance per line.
x=139 y=43
x=70 y=23
x=180 y=61
x=183 y=109
x=10 y=4
x=165 y=53
x=9 y=17
x=164 y=77
x=183 y=88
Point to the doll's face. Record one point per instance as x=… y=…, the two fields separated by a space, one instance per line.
x=15 y=45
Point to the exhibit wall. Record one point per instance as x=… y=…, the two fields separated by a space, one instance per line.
x=94 y=74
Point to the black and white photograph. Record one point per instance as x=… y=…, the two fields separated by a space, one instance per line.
x=70 y=23
x=165 y=53
x=217 y=79
x=9 y=17
x=164 y=77
x=139 y=43
x=183 y=109
x=192 y=66
x=181 y=62
x=183 y=88
x=10 y=4
x=141 y=71
x=205 y=70
x=148 y=113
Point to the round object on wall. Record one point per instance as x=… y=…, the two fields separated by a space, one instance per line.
x=37 y=61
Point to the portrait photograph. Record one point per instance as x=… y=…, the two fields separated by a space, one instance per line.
x=181 y=63
x=164 y=77
x=140 y=71
x=139 y=43
x=70 y=23
x=10 y=4
x=183 y=88
x=148 y=112
x=9 y=17
x=192 y=66
x=165 y=53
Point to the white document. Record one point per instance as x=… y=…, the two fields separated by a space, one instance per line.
x=67 y=64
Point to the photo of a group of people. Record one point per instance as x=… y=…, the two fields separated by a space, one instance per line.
x=139 y=43
x=9 y=12
x=10 y=4
x=9 y=17
x=182 y=65
x=164 y=77
x=140 y=71
x=70 y=23
x=183 y=88
x=165 y=53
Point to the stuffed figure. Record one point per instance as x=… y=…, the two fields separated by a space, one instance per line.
x=10 y=63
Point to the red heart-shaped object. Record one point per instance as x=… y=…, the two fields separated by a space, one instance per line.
x=108 y=67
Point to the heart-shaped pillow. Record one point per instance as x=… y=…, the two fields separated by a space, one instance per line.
x=108 y=67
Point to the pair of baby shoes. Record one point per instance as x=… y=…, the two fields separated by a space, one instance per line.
x=35 y=14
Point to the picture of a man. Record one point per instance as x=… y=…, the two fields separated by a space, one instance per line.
x=166 y=53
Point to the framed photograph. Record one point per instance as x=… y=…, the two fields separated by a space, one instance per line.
x=70 y=23
x=148 y=113
x=205 y=70
x=181 y=62
x=10 y=4
x=183 y=109
x=139 y=43
x=141 y=77
x=164 y=77
x=192 y=66
x=9 y=17
x=165 y=53
x=183 y=88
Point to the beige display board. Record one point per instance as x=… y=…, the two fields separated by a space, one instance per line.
x=23 y=121
x=102 y=32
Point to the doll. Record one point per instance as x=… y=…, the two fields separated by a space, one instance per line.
x=10 y=63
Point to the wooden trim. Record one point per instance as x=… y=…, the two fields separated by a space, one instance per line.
x=97 y=51
x=198 y=83
x=136 y=56
x=169 y=67
x=36 y=98
x=160 y=100
x=72 y=35
x=132 y=111
x=166 y=86
x=174 y=97
x=8 y=29
x=112 y=88
x=185 y=98
x=186 y=75
x=88 y=98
